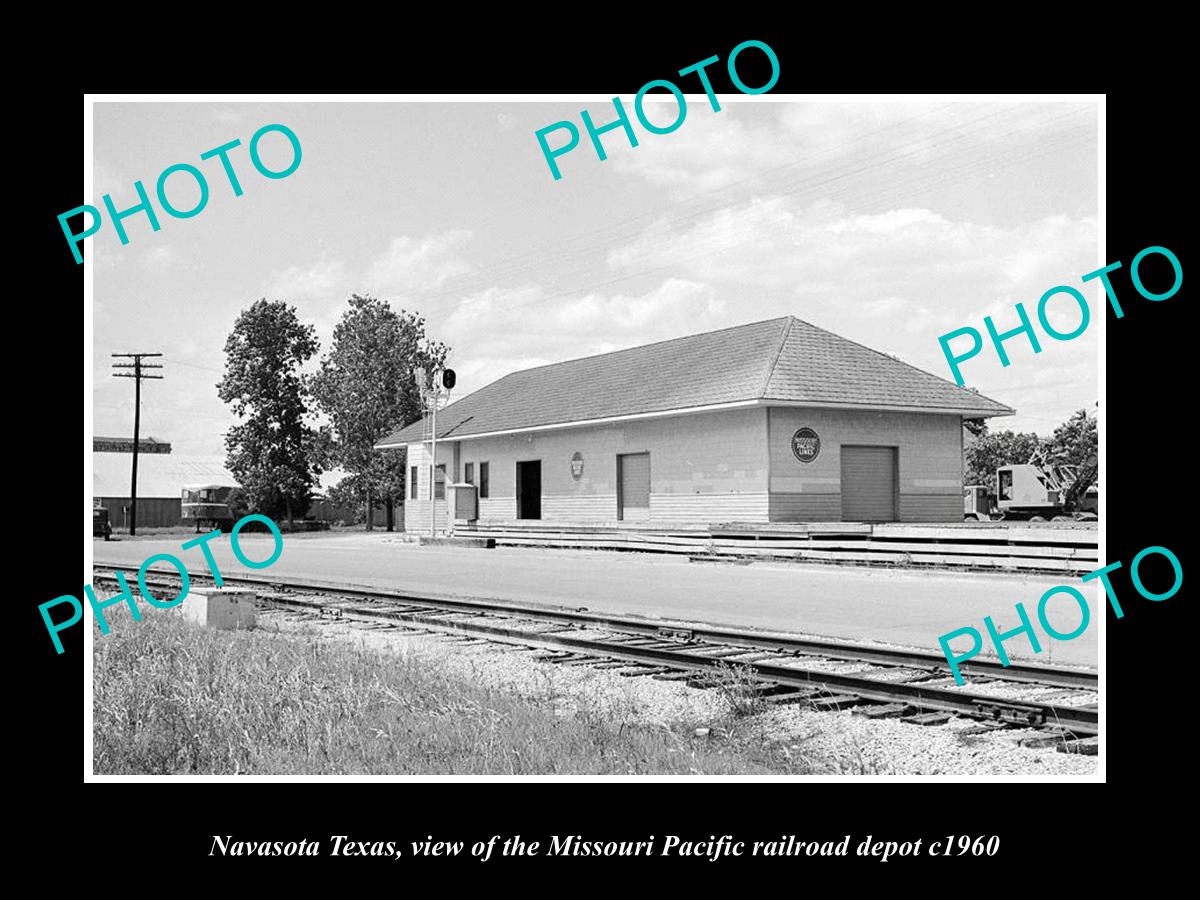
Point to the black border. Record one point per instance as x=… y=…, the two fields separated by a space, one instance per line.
x=1046 y=829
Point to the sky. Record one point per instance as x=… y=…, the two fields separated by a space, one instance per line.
x=887 y=223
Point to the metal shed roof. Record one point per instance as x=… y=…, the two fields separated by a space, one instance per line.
x=159 y=474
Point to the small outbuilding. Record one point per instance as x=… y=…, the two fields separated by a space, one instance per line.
x=162 y=477
x=775 y=421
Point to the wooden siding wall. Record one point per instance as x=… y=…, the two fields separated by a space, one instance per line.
x=703 y=467
x=930 y=452
x=152 y=512
x=416 y=512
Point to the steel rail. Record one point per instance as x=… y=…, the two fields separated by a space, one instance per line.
x=1078 y=720
x=1055 y=676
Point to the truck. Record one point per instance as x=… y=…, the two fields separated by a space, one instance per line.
x=101 y=527
x=207 y=505
x=1037 y=491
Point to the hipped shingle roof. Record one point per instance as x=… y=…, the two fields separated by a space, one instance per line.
x=783 y=360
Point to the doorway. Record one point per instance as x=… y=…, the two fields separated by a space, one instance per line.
x=870 y=476
x=633 y=487
x=529 y=489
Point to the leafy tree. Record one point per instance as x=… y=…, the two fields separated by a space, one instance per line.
x=986 y=452
x=320 y=448
x=239 y=503
x=348 y=494
x=383 y=481
x=1074 y=441
x=270 y=453
x=365 y=385
x=388 y=474
x=975 y=427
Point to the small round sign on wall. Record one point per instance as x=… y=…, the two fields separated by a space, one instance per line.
x=577 y=465
x=806 y=445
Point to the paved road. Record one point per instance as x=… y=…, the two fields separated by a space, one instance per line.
x=903 y=607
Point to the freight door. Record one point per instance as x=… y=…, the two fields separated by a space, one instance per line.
x=869 y=484
x=633 y=487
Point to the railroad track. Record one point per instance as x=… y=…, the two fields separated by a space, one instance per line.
x=913 y=685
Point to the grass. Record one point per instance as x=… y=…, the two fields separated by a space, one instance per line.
x=738 y=686
x=171 y=698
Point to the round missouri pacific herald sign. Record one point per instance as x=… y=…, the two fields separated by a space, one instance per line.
x=806 y=445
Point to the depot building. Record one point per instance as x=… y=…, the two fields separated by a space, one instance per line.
x=776 y=421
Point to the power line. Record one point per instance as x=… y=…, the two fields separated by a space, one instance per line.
x=617 y=232
x=938 y=178
x=190 y=412
x=806 y=180
x=178 y=362
x=970 y=164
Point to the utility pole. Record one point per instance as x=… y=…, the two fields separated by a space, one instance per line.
x=137 y=375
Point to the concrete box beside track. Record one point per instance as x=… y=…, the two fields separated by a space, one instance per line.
x=223 y=608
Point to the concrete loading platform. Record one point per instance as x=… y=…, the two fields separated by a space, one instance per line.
x=1070 y=548
x=908 y=607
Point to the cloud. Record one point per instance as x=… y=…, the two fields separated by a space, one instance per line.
x=502 y=330
x=825 y=146
x=825 y=251
x=160 y=259
x=408 y=264
x=885 y=306
x=416 y=264
x=320 y=289
x=322 y=279
x=709 y=150
x=896 y=280
x=107 y=180
x=713 y=151
x=892 y=279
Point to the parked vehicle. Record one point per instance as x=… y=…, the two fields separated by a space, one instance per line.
x=1038 y=490
x=207 y=505
x=100 y=524
x=979 y=504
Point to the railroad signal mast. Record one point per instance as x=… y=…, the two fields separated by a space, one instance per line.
x=138 y=374
x=435 y=387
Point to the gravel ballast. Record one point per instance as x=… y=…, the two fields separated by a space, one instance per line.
x=880 y=746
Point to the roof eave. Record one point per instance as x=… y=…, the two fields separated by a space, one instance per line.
x=971 y=412
x=396 y=441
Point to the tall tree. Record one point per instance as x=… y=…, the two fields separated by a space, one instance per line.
x=271 y=451
x=365 y=385
x=986 y=452
x=1074 y=441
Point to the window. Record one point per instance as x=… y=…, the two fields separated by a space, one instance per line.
x=412 y=484
x=483 y=480
x=469 y=473
x=440 y=483
x=1006 y=484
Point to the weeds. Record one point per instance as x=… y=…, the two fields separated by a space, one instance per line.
x=738 y=686
x=170 y=698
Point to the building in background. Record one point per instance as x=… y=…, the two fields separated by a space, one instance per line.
x=323 y=509
x=161 y=477
x=775 y=421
